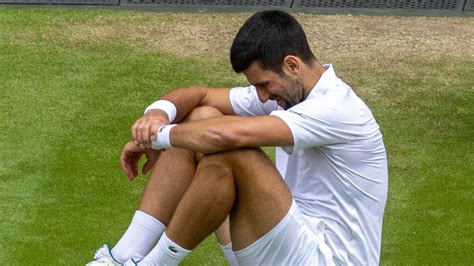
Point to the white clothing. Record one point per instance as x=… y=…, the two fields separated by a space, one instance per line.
x=337 y=168
x=290 y=242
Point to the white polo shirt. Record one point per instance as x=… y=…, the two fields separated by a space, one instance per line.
x=337 y=168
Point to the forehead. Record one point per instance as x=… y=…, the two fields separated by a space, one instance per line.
x=255 y=74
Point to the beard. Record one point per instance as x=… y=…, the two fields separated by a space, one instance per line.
x=293 y=93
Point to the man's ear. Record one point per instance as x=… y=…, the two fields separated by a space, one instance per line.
x=291 y=64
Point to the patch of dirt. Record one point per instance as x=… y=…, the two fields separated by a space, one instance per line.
x=332 y=38
x=375 y=38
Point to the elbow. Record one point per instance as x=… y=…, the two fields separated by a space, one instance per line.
x=197 y=90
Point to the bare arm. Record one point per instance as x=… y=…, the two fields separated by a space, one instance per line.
x=185 y=100
x=231 y=132
x=207 y=136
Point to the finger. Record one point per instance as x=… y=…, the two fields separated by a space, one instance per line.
x=152 y=158
x=139 y=132
x=125 y=166
x=129 y=160
x=135 y=167
x=134 y=130
x=146 y=168
x=153 y=131
x=146 y=133
x=128 y=172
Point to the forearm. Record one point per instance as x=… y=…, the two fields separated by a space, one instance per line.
x=175 y=106
x=230 y=133
x=205 y=136
x=185 y=100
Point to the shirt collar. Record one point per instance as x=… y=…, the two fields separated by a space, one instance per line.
x=327 y=80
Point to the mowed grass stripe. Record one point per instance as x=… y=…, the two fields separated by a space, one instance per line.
x=30 y=135
x=428 y=132
x=48 y=113
x=81 y=197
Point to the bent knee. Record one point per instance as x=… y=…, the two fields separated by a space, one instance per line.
x=203 y=112
x=215 y=164
x=240 y=157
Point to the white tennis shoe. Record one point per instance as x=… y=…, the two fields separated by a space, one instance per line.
x=131 y=262
x=103 y=257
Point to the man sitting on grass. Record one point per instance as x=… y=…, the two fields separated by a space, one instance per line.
x=321 y=204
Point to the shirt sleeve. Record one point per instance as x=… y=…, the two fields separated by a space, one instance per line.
x=245 y=102
x=315 y=124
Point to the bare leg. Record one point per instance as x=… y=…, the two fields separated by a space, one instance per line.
x=223 y=233
x=171 y=175
x=244 y=183
x=223 y=237
x=168 y=182
x=166 y=185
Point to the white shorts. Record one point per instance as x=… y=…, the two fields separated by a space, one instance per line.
x=296 y=240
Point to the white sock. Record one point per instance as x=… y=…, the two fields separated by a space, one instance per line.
x=229 y=254
x=166 y=252
x=139 y=239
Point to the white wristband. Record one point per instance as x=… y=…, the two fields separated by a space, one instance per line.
x=166 y=106
x=162 y=140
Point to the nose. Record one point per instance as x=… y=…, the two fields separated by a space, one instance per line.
x=263 y=95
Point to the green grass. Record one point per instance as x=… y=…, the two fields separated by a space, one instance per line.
x=67 y=106
x=428 y=133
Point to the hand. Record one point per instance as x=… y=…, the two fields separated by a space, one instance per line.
x=130 y=157
x=145 y=128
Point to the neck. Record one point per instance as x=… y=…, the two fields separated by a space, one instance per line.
x=312 y=76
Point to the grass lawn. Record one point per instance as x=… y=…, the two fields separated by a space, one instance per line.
x=72 y=82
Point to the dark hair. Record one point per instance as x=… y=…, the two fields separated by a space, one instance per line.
x=269 y=36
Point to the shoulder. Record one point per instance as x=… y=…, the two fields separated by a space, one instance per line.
x=245 y=102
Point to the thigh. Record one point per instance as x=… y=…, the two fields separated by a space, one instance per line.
x=262 y=197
